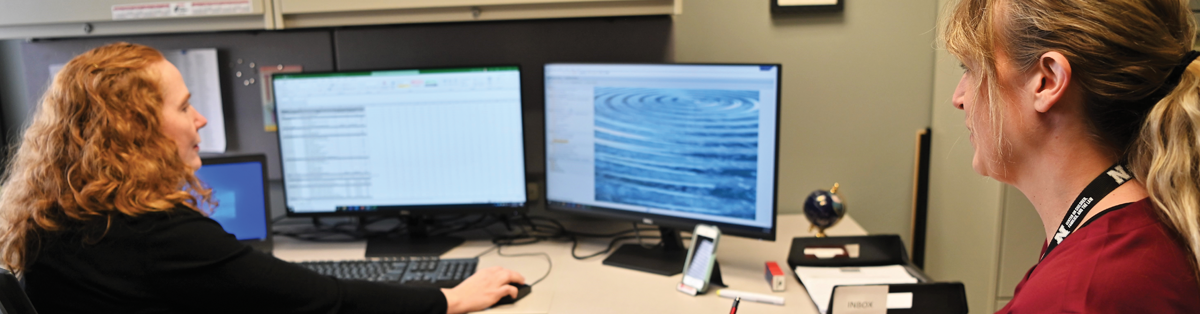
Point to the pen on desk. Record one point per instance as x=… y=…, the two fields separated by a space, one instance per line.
x=735 y=303
x=754 y=297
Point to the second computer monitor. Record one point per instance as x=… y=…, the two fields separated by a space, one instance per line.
x=413 y=141
x=670 y=144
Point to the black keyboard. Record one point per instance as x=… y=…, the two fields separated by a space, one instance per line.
x=414 y=271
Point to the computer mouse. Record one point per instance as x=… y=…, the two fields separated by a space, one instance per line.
x=522 y=291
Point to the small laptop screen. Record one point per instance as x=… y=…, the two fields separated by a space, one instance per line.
x=238 y=190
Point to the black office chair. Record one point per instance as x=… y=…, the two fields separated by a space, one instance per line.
x=12 y=295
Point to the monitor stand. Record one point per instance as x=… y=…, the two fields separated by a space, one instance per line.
x=665 y=259
x=411 y=246
x=417 y=242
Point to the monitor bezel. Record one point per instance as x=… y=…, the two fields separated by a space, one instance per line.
x=265 y=244
x=684 y=224
x=407 y=210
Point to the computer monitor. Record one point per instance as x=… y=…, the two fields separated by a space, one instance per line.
x=239 y=186
x=409 y=142
x=672 y=145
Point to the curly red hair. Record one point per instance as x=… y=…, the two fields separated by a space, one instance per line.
x=94 y=149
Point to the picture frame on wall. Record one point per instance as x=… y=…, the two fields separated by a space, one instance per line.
x=790 y=6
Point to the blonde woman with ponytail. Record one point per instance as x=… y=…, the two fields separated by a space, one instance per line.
x=1092 y=109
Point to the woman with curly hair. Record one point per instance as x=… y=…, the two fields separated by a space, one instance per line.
x=103 y=213
x=1092 y=109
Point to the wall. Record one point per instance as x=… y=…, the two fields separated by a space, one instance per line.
x=856 y=87
x=965 y=209
x=24 y=64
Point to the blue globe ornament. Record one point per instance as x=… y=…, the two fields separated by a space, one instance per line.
x=823 y=209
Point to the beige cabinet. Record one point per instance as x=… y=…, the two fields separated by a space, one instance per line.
x=78 y=18
x=1021 y=237
x=320 y=13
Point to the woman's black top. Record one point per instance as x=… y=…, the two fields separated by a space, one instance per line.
x=182 y=262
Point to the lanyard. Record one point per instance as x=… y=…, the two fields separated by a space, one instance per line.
x=1100 y=187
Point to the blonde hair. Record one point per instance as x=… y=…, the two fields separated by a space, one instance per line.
x=1121 y=54
x=94 y=149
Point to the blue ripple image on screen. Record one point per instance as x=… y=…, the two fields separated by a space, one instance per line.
x=688 y=150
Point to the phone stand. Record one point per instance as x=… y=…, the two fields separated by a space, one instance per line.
x=715 y=278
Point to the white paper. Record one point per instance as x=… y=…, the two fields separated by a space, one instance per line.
x=819 y=281
x=153 y=10
x=199 y=69
x=824 y=253
x=807 y=2
x=899 y=300
x=54 y=68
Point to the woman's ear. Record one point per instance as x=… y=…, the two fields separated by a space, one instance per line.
x=1051 y=79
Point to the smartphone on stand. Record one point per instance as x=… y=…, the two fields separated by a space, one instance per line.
x=702 y=255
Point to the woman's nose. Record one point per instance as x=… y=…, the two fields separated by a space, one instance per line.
x=960 y=93
x=201 y=121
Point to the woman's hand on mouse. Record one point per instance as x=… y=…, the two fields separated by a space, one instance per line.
x=482 y=290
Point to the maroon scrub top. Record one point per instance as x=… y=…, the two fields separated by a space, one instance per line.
x=1124 y=260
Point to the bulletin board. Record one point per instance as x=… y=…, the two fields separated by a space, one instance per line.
x=242 y=101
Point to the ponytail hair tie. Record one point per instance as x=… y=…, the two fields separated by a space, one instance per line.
x=1177 y=72
x=1167 y=86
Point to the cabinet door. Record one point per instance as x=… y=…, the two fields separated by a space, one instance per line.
x=1021 y=239
x=77 y=18
x=319 y=13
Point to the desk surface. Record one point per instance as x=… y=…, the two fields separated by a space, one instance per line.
x=587 y=286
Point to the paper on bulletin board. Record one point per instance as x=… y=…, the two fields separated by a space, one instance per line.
x=268 y=94
x=199 y=69
x=154 y=10
x=54 y=68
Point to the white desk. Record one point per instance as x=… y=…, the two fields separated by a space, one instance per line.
x=587 y=286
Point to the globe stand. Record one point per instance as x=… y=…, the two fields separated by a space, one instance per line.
x=820 y=231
